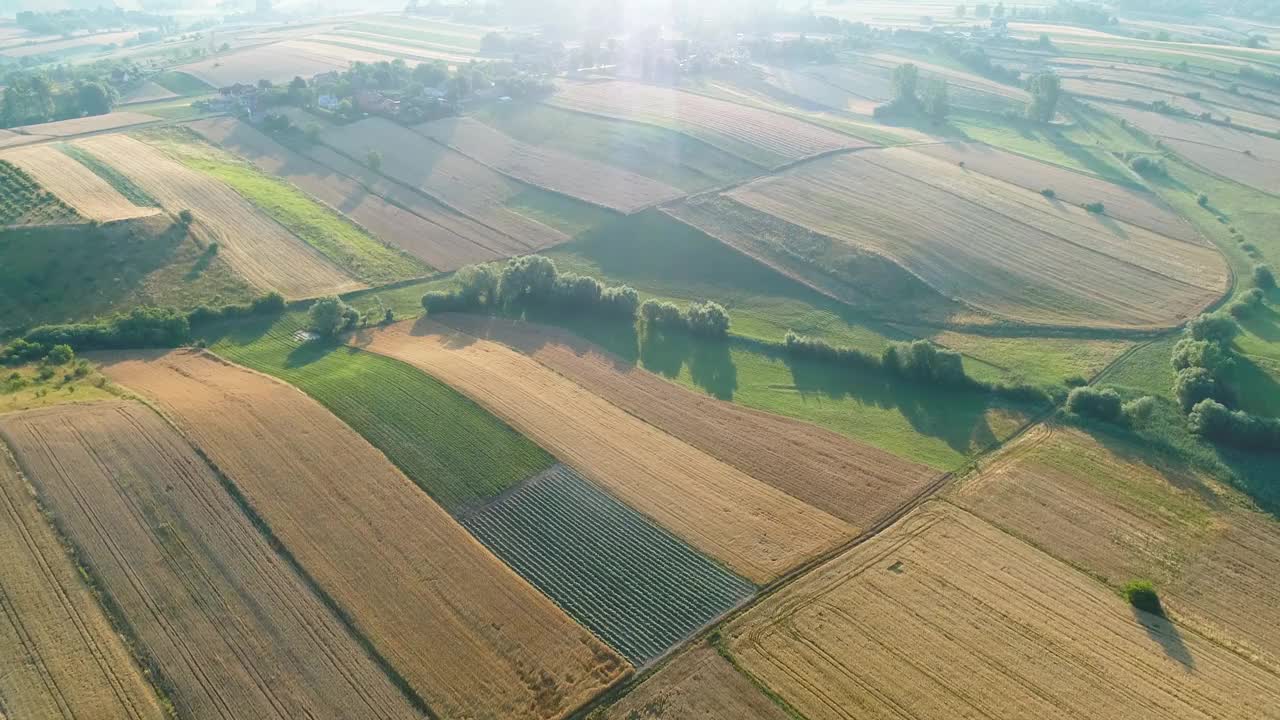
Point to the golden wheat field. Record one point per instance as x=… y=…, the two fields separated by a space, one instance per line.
x=75 y=184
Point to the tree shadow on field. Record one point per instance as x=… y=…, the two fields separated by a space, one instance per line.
x=1264 y=322
x=710 y=363
x=1166 y=634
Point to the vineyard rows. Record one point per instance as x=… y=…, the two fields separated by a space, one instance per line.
x=634 y=585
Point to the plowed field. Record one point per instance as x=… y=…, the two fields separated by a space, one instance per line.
x=1132 y=206
x=759 y=136
x=560 y=172
x=463 y=630
x=255 y=246
x=698 y=684
x=75 y=184
x=60 y=656
x=944 y=616
x=755 y=529
x=234 y=631
x=854 y=482
x=994 y=246
x=455 y=180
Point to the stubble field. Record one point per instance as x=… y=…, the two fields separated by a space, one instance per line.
x=75 y=184
x=468 y=635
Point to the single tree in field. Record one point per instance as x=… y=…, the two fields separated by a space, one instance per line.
x=905 y=79
x=936 y=104
x=374 y=160
x=95 y=99
x=1045 y=89
x=330 y=316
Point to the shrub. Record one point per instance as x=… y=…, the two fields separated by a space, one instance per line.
x=1193 y=385
x=922 y=360
x=1190 y=353
x=1214 y=420
x=577 y=292
x=818 y=349
x=707 y=319
x=1139 y=411
x=1094 y=403
x=1097 y=208
x=620 y=300
x=1248 y=303
x=1148 y=166
x=21 y=351
x=661 y=314
x=1142 y=595
x=272 y=302
x=1263 y=277
x=1049 y=193
x=60 y=355
x=438 y=301
x=1202 y=200
x=186 y=217
x=140 y=327
x=330 y=316
x=530 y=278
x=1215 y=327
x=479 y=283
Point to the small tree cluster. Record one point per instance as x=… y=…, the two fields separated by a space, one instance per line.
x=1099 y=404
x=922 y=360
x=1263 y=277
x=140 y=327
x=1148 y=166
x=330 y=316
x=705 y=319
x=1046 y=90
x=531 y=280
x=1214 y=420
x=1247 y=304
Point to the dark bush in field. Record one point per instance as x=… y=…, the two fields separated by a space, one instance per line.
x=1215 y=421
x=577 y=291
x=1142 y=595
x=1148 y=166
x=531 y=278
x=330 y=316
x=268 y=304
x=620 y=300
x=1190 y=353
x=1247 y=304
x=439 y=301
x=1097 y=208
x=1193 y=385
x=1099 y=404
x=922 y=360
x=803 y=346
x=1263 y=277
x=60 y=355
x=21 y=351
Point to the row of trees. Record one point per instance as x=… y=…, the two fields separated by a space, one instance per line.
x=30 y=98
x=531 y=280
x=704 y=319
x=932 y=99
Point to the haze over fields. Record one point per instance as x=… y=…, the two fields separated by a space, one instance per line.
x=584 y=360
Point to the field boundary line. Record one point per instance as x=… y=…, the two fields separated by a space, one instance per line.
x=264 y=529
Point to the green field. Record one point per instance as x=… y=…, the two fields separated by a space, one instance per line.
x=122 y=184
x=568 y=215
x=653 y=152
x=321 y=227
x=634 y=585
x=67 y=273
x=176 y=81
x=24 y=202
x=453 y=449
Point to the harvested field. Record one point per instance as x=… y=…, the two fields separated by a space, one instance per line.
x=278 y=62
x=1120 y=511
x=559 y=172
x=944 y=616
x=234 y=631
x=24 y=202
x=434 y=244
x=633 y=584
x=456 y=181
x=856 y=483
x=754 y=529
x=149 y=91
x=465 y=632
x=956 y=77
x=1174 y=85
x=91 y=124
x=75 y=184
x=257 y=247
x=1021 y=256
x=1131 y=205
x=389 y=46
x=62 y=46
x=1117 y=92
x=697 y=684
x=8 y=138
x=759 y=136
x=808 y=86
x=860 y=80
x=61 y=657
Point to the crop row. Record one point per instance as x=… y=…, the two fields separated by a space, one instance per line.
x=634 y=585
x=22 y=198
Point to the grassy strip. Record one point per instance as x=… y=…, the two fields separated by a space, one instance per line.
x=113 y=177
x=452 y=448
x=336 y=237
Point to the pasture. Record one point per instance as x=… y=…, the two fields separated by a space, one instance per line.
x=758 y=136
x=634 y=585
x=79 y=187
x=945 y=616
x=1022 y=257
x=377 y=546
x=209 y=600
x=61 y=653
x=254 y=245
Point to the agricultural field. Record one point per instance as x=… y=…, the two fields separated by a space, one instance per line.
x=392 y=47
x=758 y=136
x=943 y=615
x=1128 y=204
x=69 y=46
x=86 y=125
x=149 y=91
x=634 y=585
x=483 y=643
x=24 y=202
x=212 y=605
x=1113 y=92
x=585 y=180
x=122 y=185
x=1023 y=257
x=454 y=180
x=76 y=185
x=8 y=138
x=345 y=244
x=278 y=62
x=61 y=653
x=1120 y=510
x=749 y=526
x=854 y=482
x=662 y=155
x=254 y=245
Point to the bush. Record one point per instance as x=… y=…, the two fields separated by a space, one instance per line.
x=1148 y=166
x=1142 y=595
x=577 y=292
x=1097 y=208
x=1214 y=420
x=1139 y=411
x=922 y=360
x=186 y=217
x=1193 y=385
x=479 y=283
x=268 y=304
x=803 y=346
x=438 y=301
x=1202 y=200
x=531 y=278
x=1190 y=353
x=60 y=355
x=1049 y=193
x=21 y=351
x=707 y=319
x=1263 y=277
x=620 y=300
x=139 y=328
x=330 y=316
x=1215 y=327
x=1247 y=304
x=661 y=314
x=1094 y=403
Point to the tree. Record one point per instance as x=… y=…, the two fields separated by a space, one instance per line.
x=531 y=277
x=1142 y=595
x=374 y=160
x=186 y=217
x=60 y=355
x=330 y=316
x=1193 y=385
x=1046 y=89
x=708 y=319
x=905 y=78
x=1263 y=277
x=1091 y=402
x=936 y=104
x=94 y=99
x=1190 y=353
x=1215 y=327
